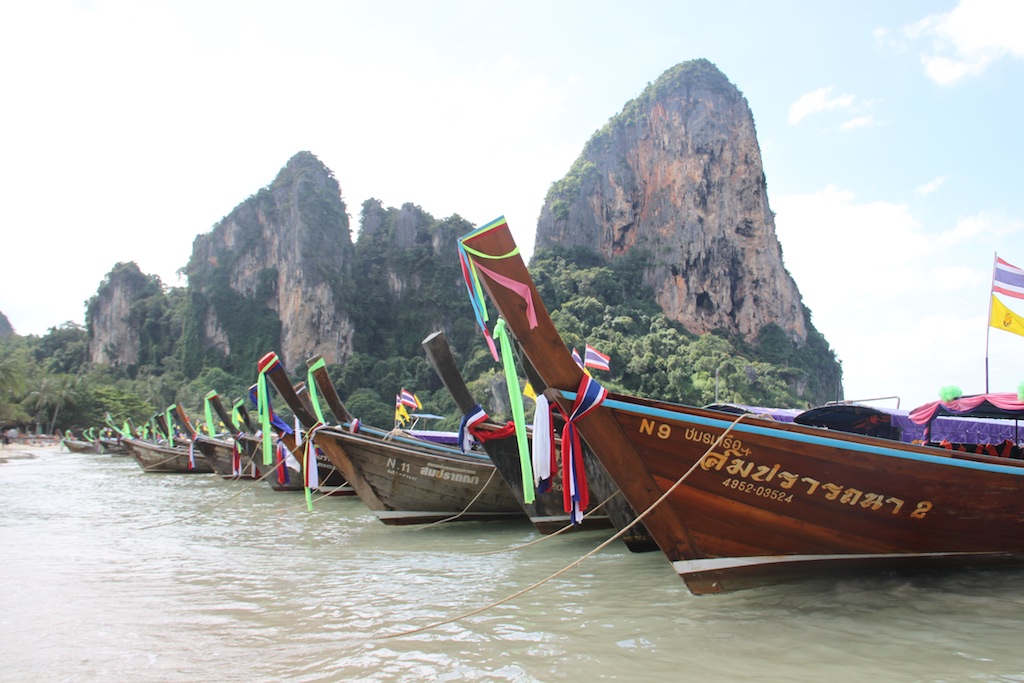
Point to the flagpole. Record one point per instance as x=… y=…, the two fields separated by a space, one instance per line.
x=988 y=322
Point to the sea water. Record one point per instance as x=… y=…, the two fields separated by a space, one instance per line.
x=108 y=573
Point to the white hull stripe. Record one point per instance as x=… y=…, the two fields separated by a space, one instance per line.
x=723 y=563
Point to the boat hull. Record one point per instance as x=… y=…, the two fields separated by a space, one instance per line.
x=76 y=446
x=773 y=502
x=403 y=482
x=153 y=457
x=220 y=453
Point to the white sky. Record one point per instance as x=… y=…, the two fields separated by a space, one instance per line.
x=890 y=133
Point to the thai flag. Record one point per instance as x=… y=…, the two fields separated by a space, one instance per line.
x=407 y=398
x=595 y=359
x=576 y=357
x=1008 y=280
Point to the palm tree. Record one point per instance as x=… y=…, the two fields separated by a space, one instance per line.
x=11 y=379
x=56 y=392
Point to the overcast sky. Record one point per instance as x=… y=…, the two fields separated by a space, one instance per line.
x=890 y=133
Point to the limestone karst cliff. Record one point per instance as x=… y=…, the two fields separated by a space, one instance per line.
x=678 y=174
x=127 y=319
x=272 y=274
x=408 y=279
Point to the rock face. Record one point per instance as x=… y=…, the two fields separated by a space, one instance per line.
x=678 y=174
x=271 y=275
x=111 y=315
x=408 y=278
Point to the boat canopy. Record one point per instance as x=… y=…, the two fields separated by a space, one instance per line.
x=854 y=418
x=1005 y=405
x=892 y=423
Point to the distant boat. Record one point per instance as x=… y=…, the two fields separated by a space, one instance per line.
x=226 y=459
x=284 y=471
x=158 y=457
x=112 y=446
x=736 y=502
x=403 y=479
x=80 y=446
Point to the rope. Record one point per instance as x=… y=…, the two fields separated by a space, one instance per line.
x=469 y=505
x=584 y=557
x=212 y=507
x=565 y=528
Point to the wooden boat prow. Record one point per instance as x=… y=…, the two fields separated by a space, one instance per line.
x=540 y=342
x=547 y=510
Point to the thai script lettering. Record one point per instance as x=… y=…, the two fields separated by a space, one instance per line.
x=744 y=474
x=448 y=475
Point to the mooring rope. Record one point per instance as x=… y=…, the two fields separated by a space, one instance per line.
x=464 y=510
x=584 y=557
x=567 y=527
x=213 y=507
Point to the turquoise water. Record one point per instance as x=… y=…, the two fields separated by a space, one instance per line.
x=109 y=574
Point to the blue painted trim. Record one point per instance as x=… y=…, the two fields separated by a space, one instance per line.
x=746 y=427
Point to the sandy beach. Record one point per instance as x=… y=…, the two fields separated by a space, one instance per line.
x=27 y=449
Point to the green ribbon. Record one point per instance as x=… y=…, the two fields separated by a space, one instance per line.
x=515 y=397
x=236 y=416
x=208 y=410
x=110 y=423
x=311 y=383
x=169 y=417
x=263 y=411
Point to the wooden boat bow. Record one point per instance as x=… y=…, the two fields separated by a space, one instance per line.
x=493 y=253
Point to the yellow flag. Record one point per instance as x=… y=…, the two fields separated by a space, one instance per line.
x=528 y=392
x=1005 y=319
x=401 y=414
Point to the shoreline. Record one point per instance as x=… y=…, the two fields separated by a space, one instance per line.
x=27 y=451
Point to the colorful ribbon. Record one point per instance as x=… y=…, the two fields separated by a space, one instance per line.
x=544 y=455
x=263 y=408
x=515 y=397
x=208 y=411
x=311 y=383
x=576 y=495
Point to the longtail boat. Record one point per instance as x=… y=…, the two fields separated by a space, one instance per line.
x=160 y=457
x=547 y=510
x=113 y=446
x=400 y=478
x=80 y=446
x=283 y=464
x=736 y=502
x=225 y=458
